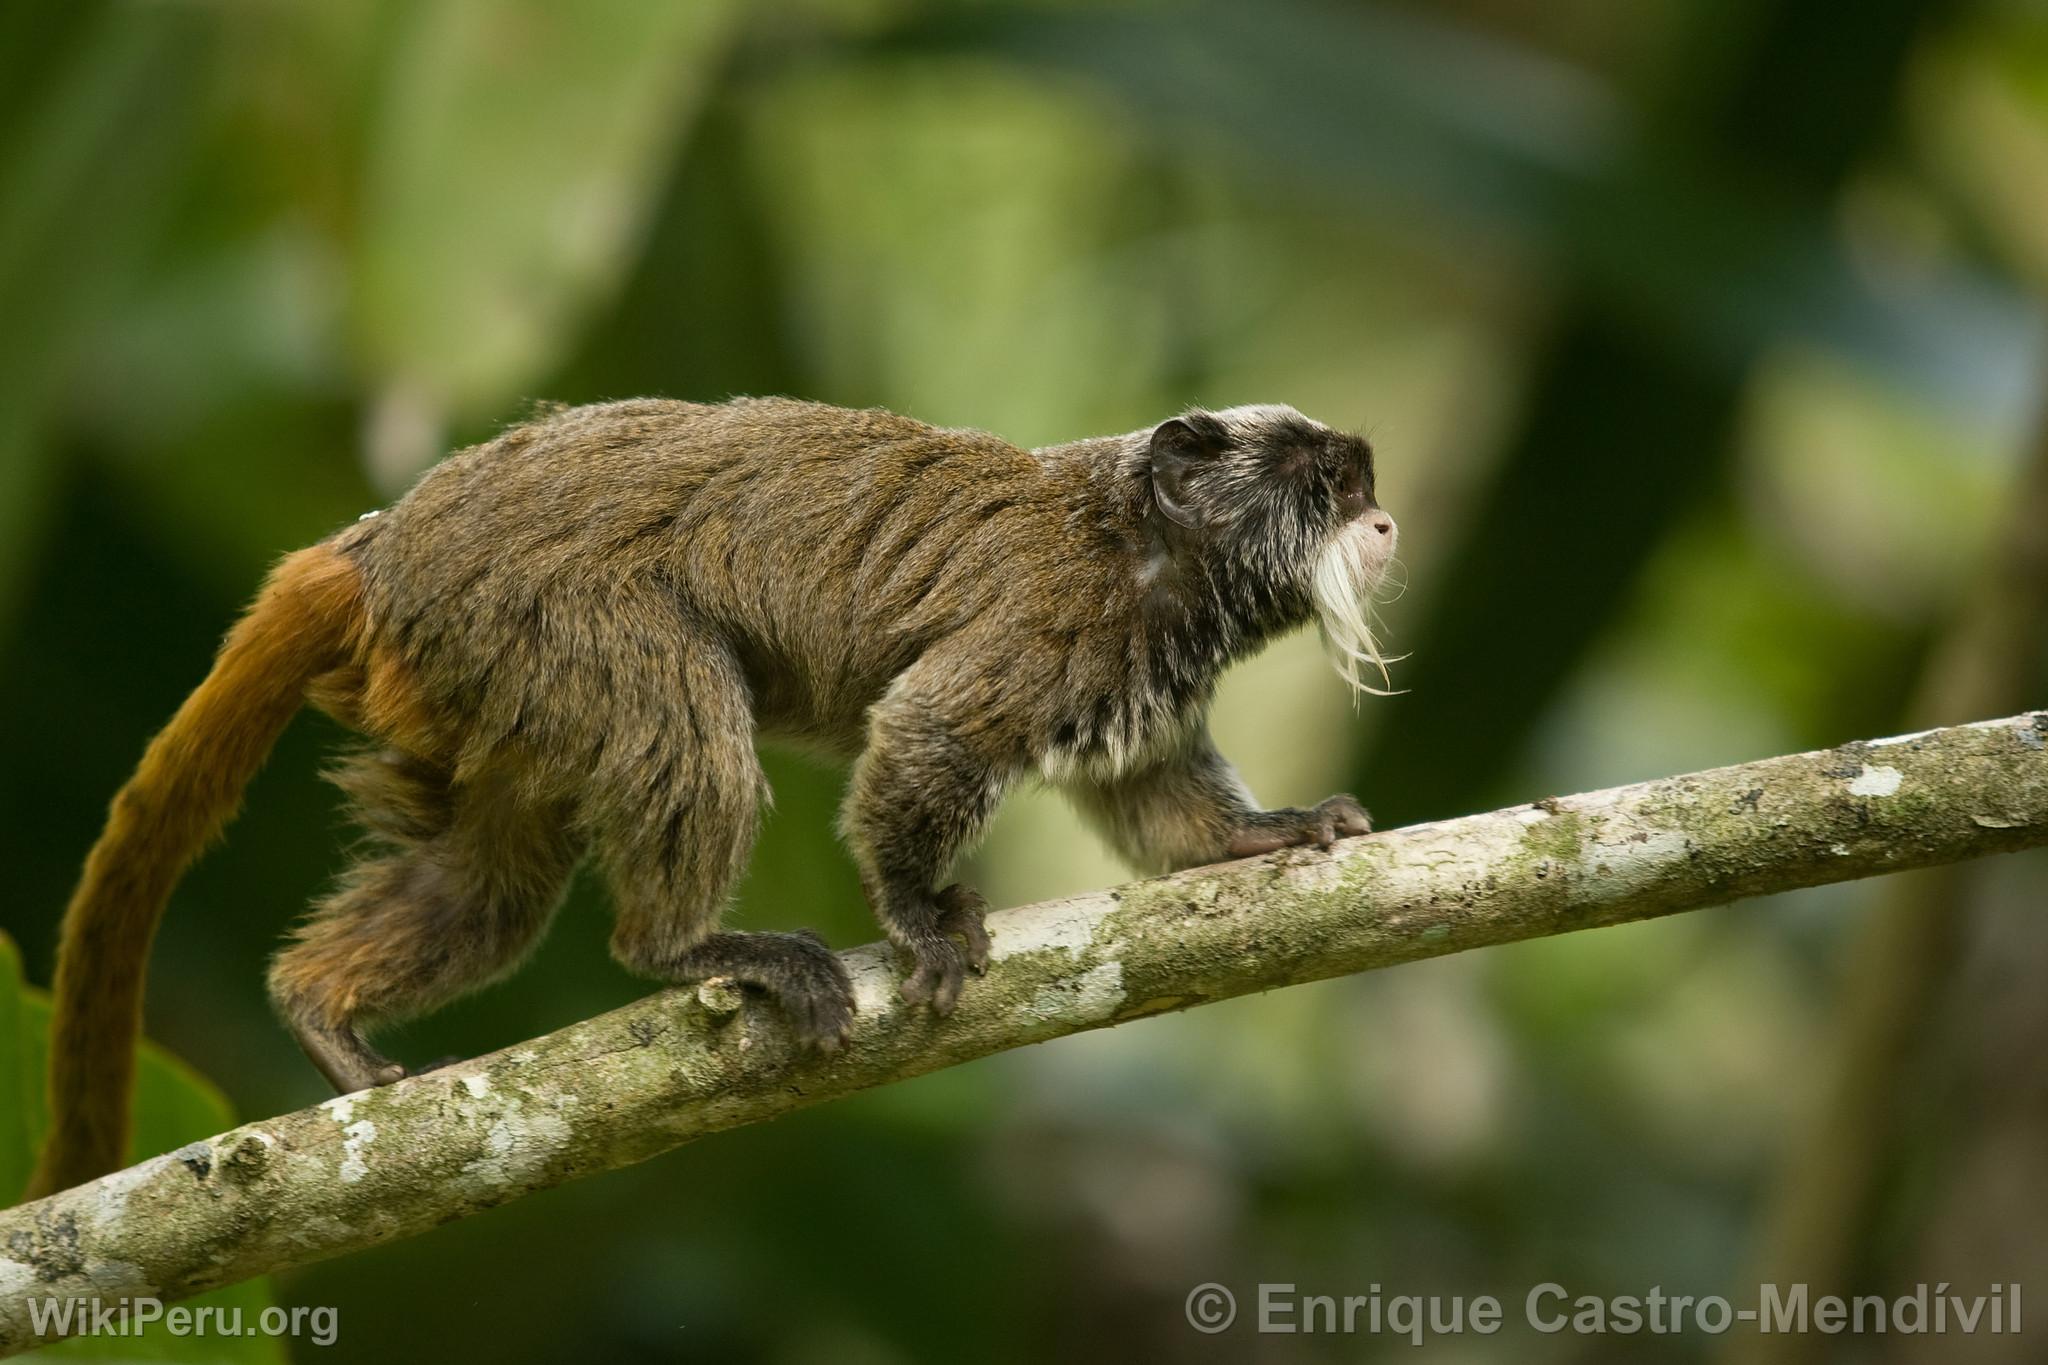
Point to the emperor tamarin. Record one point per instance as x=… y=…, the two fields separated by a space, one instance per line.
x=565 y=641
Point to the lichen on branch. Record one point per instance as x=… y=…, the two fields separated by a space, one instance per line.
x=388 y=1163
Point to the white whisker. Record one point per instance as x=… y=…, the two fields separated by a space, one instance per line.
x=1346 y=576
x=1397 y=569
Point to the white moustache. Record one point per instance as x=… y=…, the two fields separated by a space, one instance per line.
x=1348 y=572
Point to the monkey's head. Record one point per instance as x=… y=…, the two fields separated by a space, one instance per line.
x=1289 y=502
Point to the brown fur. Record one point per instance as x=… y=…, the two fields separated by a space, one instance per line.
x=566 y=641
x=187 y=787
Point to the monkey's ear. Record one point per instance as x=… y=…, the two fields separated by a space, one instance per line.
x=1180 y=446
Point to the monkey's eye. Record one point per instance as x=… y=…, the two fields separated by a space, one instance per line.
x=1354 y=490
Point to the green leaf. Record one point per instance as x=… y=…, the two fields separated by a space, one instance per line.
x=19 y=1073
x=174 y=1105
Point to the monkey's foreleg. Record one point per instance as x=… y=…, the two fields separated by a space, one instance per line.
x=1192 y=808
x=919 y=793
x=1331 y=819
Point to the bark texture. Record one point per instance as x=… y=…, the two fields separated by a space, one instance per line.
x=383 y=1164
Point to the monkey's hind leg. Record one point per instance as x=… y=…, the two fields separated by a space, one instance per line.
x=467 y=879
x=675 y=798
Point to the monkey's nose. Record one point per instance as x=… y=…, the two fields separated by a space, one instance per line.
x=1382 y=523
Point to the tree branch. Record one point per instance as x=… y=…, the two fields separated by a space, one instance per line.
x=389 y=1163
x=1817 y=1226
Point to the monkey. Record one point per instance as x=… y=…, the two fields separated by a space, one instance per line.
x=562 y=645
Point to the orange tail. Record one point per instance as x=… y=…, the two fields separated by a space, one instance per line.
x=307 y=619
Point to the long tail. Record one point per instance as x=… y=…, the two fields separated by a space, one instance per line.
x=307 y=619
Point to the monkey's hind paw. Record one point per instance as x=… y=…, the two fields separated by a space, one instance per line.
x=822 y=1020
x=816 y=994
x=348 y=1063
x=956 y=945
x=804 y=977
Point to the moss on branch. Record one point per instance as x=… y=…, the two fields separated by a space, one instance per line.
x=383 y=1164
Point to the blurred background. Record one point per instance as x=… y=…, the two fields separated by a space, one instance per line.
x=1702 y=345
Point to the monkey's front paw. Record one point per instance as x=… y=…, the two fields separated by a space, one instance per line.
x=961 y=913
x=956 y=944
x=1323 y=824
x=1340 y=817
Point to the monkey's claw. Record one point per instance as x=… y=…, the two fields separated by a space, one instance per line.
x=937 y=978
x=1340 y=817
x=818 y=1003
x=961 y=912
x=823 y=1021
x=956 y=945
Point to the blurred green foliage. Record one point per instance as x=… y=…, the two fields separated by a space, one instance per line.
x=1698 y=341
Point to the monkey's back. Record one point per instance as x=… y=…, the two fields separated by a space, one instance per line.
x=823 y=549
